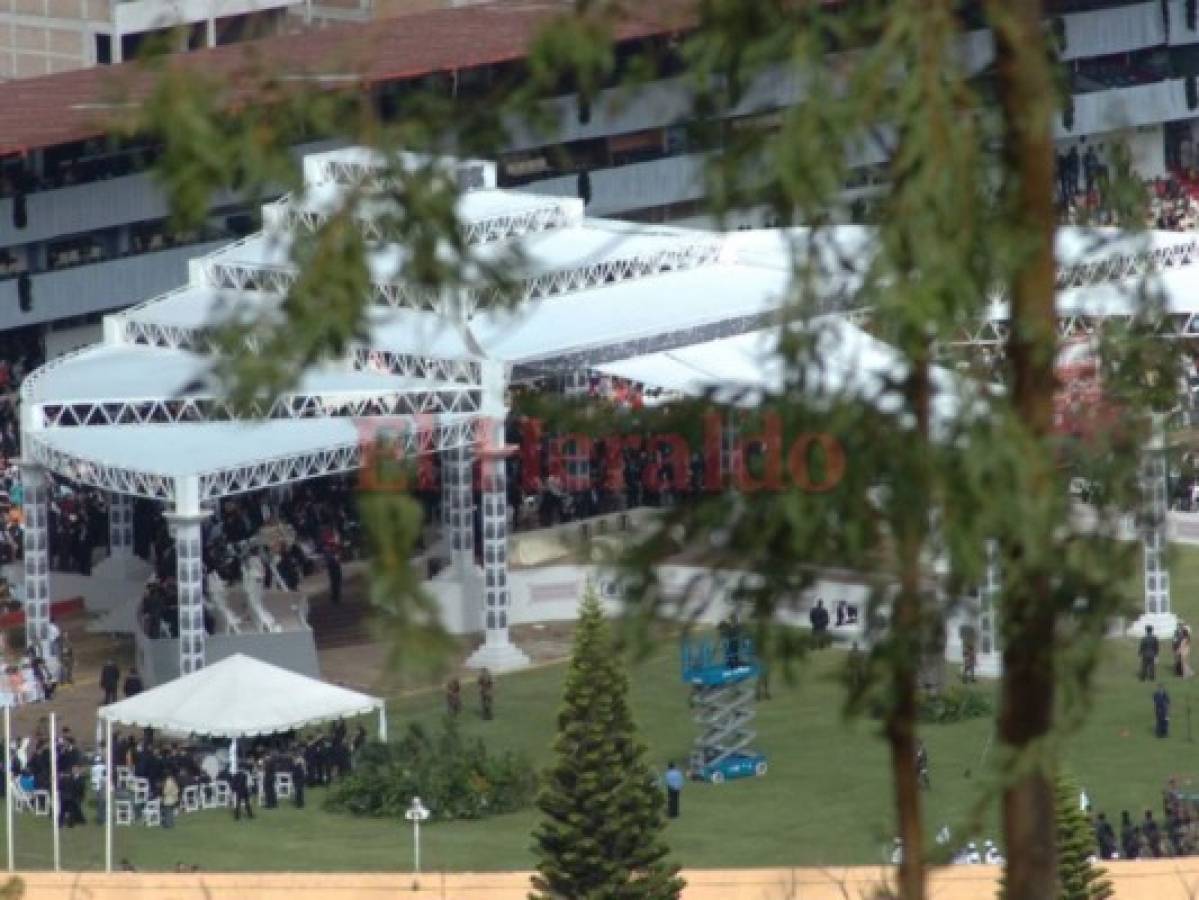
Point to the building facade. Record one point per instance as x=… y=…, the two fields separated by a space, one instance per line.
x=83 y=227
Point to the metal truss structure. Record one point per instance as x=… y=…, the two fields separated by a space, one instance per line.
x=994 y=332
x=278 y=280
x=666 y=340
x=225 y=274
x=553 y=215
x=360 y=171
x=1120 y=266
x=443 y=434
x=388 y=362
x=355 y=405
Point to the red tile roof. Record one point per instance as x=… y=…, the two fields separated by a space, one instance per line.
x=57 y=109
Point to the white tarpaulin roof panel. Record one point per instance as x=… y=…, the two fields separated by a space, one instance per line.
x=1179 y=289
x=399 y=330
x=124 y=372
x=179 y=450
x=743 y=368
x=239 y=696
x=639 y=308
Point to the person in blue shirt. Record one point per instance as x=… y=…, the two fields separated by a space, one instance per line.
x=674 y=787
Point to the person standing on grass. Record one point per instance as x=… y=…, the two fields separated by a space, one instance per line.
x=241 y=795
x=486 y=693
x=1130 y=836
x=1147 y=650
x=674 y=788
x=1161 y=712
x=818 y=618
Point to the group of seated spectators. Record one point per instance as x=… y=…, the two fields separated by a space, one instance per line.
x=312 y=759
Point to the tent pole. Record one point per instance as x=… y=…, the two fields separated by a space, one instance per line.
x=233 y=756
x=54 y=798
x=8 y=782
x=108 y=773
x=383 y=722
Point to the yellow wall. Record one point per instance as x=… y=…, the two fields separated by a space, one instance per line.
x=1156 y=880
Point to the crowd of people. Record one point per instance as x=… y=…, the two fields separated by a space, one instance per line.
x=1176 y=833
x=1084 y=175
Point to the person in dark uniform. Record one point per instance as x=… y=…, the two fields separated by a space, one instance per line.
x=486 y=693
x=1147 y=650
x=133 y=683
x=453 y=697
x=240 y=786
x=333 y=570
x=969 y=656
x=1105 y=837
x=922 y=774
x=1130 y=836
x=270 y=797
x=298 y=777
x=1153 y=835
x=1161 y=712
x=818 y=618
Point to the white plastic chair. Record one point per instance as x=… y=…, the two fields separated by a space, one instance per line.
x=36 y=802
x=152 y=814
x=124 y=773
x=122 y=811
x=222 y=794
x=284 y=787
x=141 y=790
x=190 y=798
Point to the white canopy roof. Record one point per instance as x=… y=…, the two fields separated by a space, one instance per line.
x=239 y=697
x=744 y=368
x=669 y=307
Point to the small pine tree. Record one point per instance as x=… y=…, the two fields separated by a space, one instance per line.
x=601 y=836
x=1077 y=878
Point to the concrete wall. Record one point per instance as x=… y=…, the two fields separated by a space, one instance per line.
x=1164 y=879
x=158 y=660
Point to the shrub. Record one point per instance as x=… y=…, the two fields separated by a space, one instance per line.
x=455 y=777
x=956 y=704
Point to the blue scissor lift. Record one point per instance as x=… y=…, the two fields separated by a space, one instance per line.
x=723 y=674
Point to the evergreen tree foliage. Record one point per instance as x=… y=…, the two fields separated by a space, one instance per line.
x=1078 y=879
x=601 y=836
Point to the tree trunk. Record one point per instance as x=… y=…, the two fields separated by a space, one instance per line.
x=1026 y=95
x=909 y=637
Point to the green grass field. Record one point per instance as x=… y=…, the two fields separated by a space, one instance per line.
x=825 y=801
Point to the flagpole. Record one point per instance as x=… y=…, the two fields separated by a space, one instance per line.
x=108 y=773
x=8 y=782
x=54 y=799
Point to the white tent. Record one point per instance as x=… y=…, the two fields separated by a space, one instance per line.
x=239 y=696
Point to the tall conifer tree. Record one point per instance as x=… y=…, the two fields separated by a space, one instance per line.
x=601 y=836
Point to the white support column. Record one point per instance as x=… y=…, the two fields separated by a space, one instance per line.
x=36 y=507
x=1154 y=538
x=498 y=653
x=458 y=508
x=186 y=524
x=120 y=525
x=728 y=446
x=990 y=656
x=576 y=382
